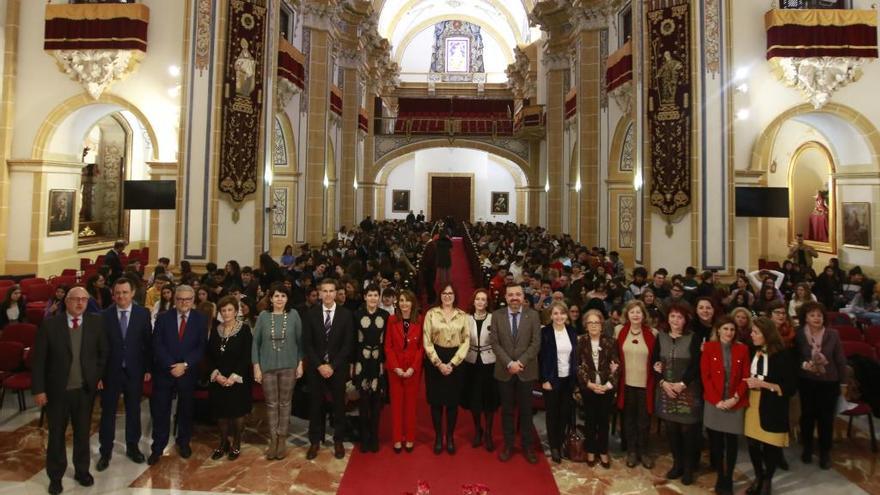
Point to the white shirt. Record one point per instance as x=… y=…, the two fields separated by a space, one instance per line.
x=127 y=313
x=331 y=309
x=563 y=353
x=79 y=320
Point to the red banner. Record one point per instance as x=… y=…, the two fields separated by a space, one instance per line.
x=96 y=26
x=619 y=67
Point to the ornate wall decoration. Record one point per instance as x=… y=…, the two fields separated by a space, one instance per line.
x=291 y=74
x=626 y=151
x=385 y=144
x=112 y=156
x=618 y=77
x=242 y=102
x=204 y=16
x=279 y=151
x=458 y=52
x=820 y=51
x=669 y=107
x=279 y=211
x=712 y=35
x=626 y=210
x=603 y=55
x=96 y=44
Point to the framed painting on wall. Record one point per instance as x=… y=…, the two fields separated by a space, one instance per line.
x=400 y=201
x=500 y=203
x=61 y=202
x=857 y=225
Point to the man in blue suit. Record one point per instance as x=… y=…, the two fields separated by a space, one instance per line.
x=129 y=333
x=179 y=341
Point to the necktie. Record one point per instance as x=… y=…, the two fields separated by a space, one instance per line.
x=76 y=323
x=182 y=329
x=514 y=327
x=123 y=323
x=328 y=323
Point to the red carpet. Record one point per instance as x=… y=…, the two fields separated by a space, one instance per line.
x=387 y=473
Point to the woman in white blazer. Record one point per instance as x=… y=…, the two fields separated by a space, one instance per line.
x=481 y=389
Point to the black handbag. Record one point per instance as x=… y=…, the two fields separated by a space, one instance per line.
x=574 y=446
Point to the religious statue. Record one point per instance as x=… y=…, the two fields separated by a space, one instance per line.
x=818 y=227
x=667 y=79
x=245 y=67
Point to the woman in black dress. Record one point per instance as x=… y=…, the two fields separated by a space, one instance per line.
x=229 y=394
x=480 y=388
x=369 y=373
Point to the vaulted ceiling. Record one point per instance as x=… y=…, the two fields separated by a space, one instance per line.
x=505 y=20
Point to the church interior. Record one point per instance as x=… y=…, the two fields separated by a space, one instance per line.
x=679 y=134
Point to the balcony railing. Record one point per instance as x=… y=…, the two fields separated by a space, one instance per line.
x=446 y=126
x=815 y=4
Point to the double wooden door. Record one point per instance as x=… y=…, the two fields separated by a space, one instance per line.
x=450 y=196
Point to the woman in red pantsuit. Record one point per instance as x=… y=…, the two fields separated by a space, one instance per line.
x=403 y=360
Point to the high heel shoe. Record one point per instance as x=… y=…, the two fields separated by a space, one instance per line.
x=409 y=447
x=438 y=445
x=397 y=448
x=755 y=487
x=450 y=445
x=233 y=454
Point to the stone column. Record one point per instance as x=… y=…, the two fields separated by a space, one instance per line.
x=348 y=169
x=318 y=23
x=587 y=79
x=556 y=63
x=10 y=49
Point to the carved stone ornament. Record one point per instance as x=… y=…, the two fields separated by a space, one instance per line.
x=623 y=97
x=520 y=78
x=324 y=16
x=818 y=77
x=284 y=92
x=97 y=70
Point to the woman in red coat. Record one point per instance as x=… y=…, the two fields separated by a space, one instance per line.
x=403 y=360
x=724 y=366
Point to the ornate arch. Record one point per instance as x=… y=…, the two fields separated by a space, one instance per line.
x=763 y=150
x=60 y=113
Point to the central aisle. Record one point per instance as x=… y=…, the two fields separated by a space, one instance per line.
x=388 y=473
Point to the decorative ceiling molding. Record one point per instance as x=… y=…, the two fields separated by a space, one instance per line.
x=818 y=78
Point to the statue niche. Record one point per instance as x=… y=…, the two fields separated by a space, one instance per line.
x=811 y=197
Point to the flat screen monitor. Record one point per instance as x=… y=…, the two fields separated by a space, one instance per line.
x=149 y=195
x=769 y=202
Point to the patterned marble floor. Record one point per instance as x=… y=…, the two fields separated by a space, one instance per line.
x=22 y=450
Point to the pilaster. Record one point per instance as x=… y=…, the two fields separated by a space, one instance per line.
x=7 y=99
x=588 y=79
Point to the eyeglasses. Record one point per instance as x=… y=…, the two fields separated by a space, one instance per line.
x=78 y=299
x=594 y=323
x=183 y=299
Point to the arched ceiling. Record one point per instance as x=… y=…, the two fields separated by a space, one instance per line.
x=508 y=18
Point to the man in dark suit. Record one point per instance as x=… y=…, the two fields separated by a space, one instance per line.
x=179 y=341
x=70 y=352
x=328 y=340
x=129 y=333
x=113 y=260
x=516 y=340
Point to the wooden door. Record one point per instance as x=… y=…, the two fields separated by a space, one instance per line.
x=450 y=196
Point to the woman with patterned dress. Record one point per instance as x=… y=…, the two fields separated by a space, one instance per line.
x=679 y=397
x=481 y=389
x=277 y=354
x=598 y=364
x=369 y=372
x=404 y=353
x=229 y=393
x=447 y=340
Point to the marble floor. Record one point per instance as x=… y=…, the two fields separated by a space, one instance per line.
x=22 y=450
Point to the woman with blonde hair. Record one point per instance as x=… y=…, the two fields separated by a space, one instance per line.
x=742 y=320
x=635 y=397
x=480 y=388
x=557 y=371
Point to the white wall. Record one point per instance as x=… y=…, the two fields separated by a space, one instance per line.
x=21 y=192
x=411 y=172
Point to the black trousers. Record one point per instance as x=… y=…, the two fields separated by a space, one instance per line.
x=558 y=404
x=635 y=419
x=723 y=448
x=516 y=393
x=131 y=388
x=319 y=387
x=818 y=407
x=683 y=443
x=160 y=409
x=597 y=409
x=765 y=458
x=74 y=407
x=370 y=407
